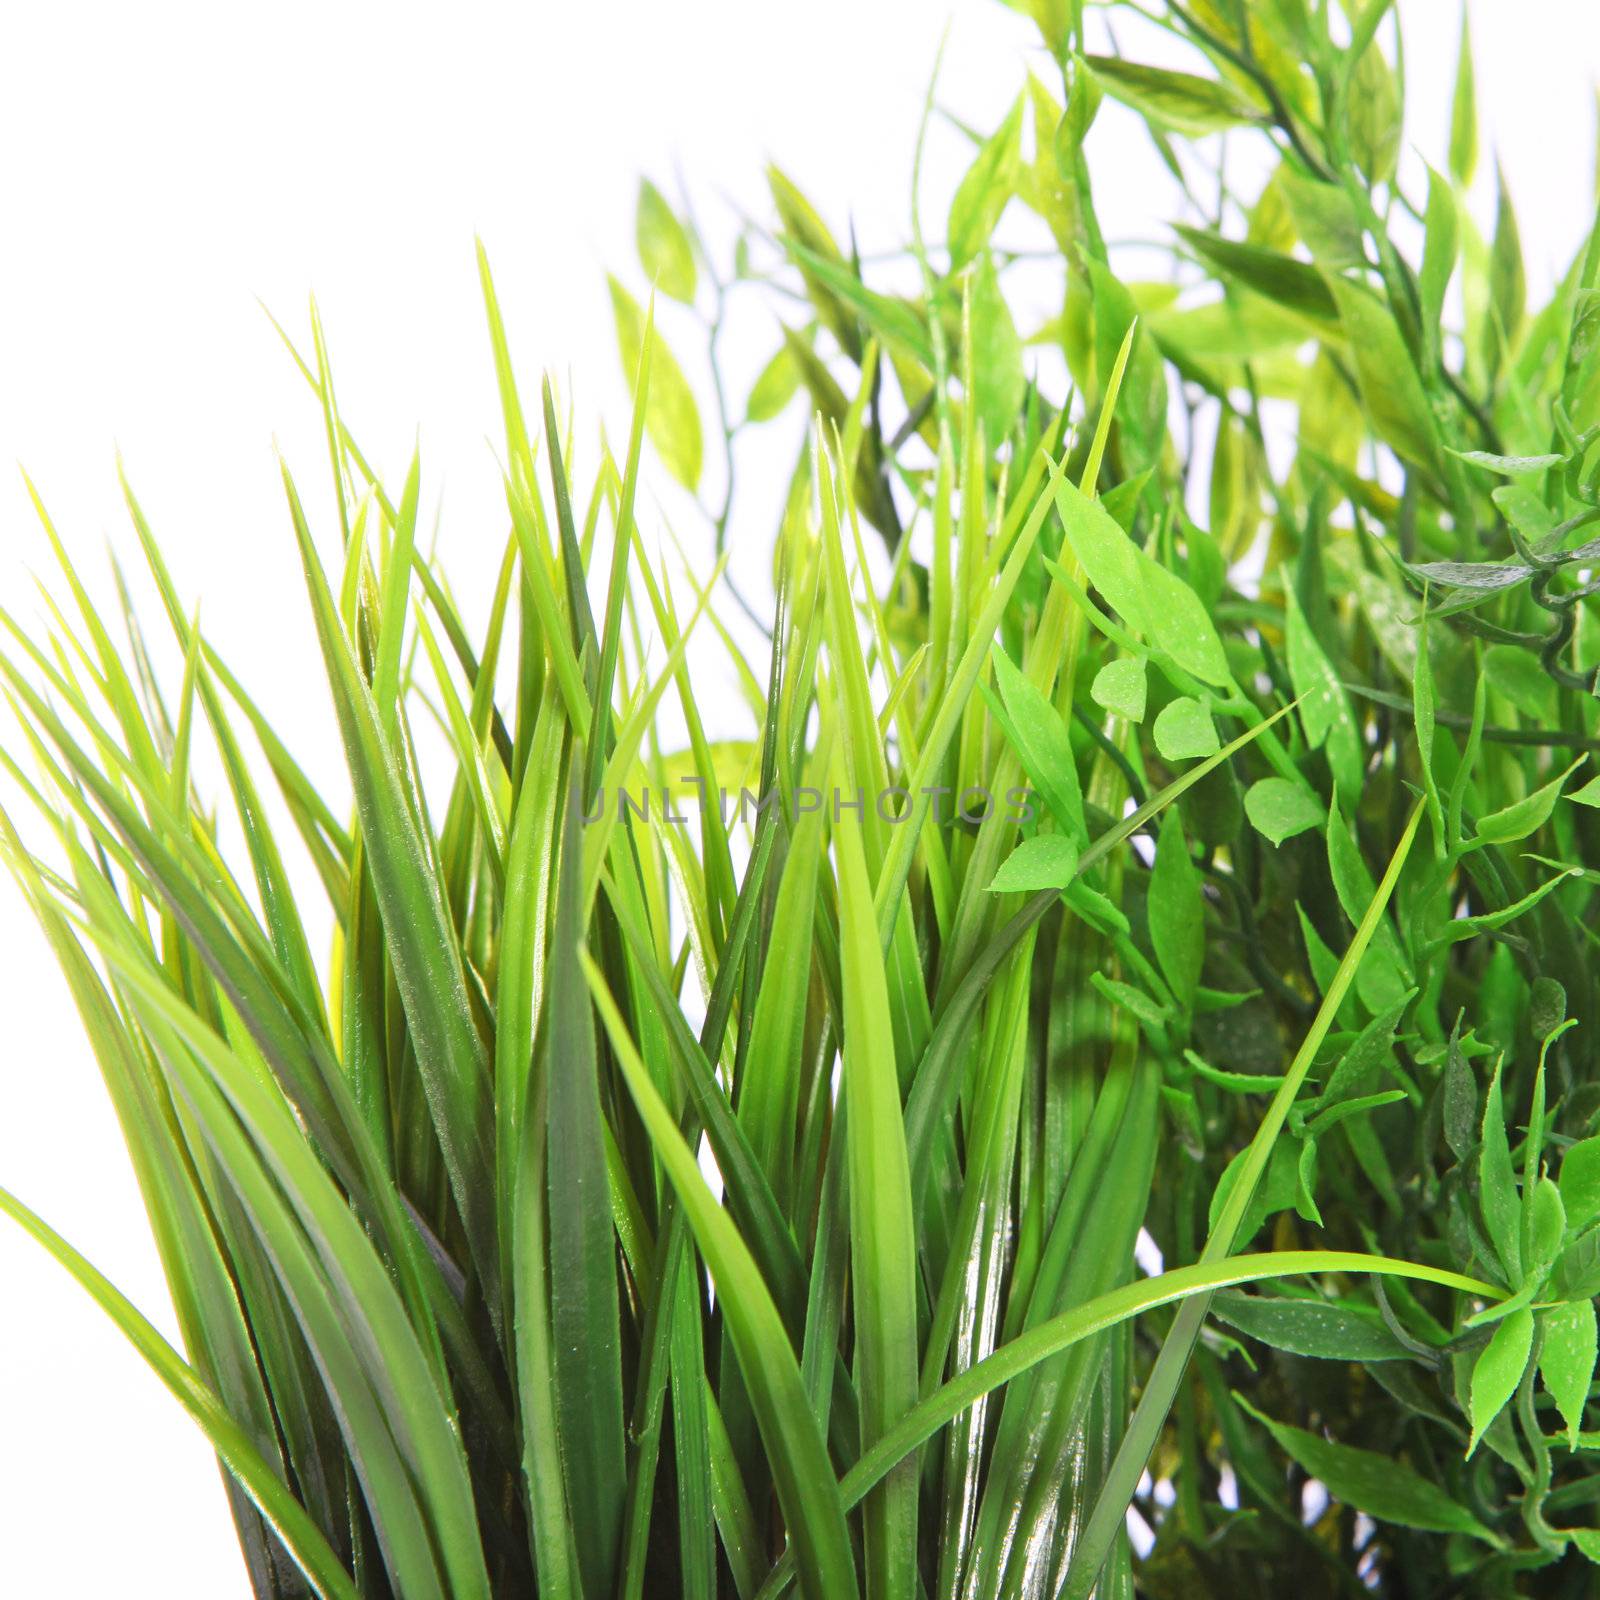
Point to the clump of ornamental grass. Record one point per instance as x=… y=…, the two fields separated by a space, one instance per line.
x=1136 y=830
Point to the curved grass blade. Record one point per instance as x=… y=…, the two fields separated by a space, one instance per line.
x=1027 y=1350
x=390 y=1403
x=301 y=1537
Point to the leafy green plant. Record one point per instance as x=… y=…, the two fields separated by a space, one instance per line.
x=1136 y=846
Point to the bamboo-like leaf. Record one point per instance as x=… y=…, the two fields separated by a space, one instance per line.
x=1374 y=1483
x=1180 y=100
x=1498 y=1370
x=665 y=252
x=671 y=414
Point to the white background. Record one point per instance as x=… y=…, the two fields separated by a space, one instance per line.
x=161 y=166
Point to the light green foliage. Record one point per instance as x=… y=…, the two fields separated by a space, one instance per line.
x=998 y=381
x=1324 y=708
x=1280 y=809
x=671 y=415
x=1107 y=873
x=1176 y=911
x=1119 y=686
x=1184 y=730
x=665 y=252
x=1048 y=862
x=1567 y=1360
x=1498 y=1369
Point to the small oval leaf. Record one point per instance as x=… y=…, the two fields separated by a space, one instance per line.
x=1184 y=731
x=1280 y=809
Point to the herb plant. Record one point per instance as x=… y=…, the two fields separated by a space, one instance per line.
x=1163 y=826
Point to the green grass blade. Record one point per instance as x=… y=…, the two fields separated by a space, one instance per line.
x=421 y=941
x=1011 y=1360
x=806 y=1488
x=287 y=1517
x=584 y=1313
x=883 y=1246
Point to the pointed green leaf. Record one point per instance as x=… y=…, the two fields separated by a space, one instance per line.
x=1043 y=745
x=1441 y=247
x=999 y=382
x=1326 y=1330
x=882 y=1230
x=1508 y=466
x=671 y=415
x=1049 y=861
x=1499 y=1369
x=1109 y=557
x=1588 y=794
x=1393 y=392
x=1580 y=1182
x=1188 y=104
x=665 y=252
x=1181 y=625
x=1498 y=1198
x=1567 y=1353
x=983 y=193
x=584 y=1313
x=776 y=385
x=1176 y=909
x=1525 y=816
x=1371 y=1482
x=1324 y=707
x=1464 y=112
